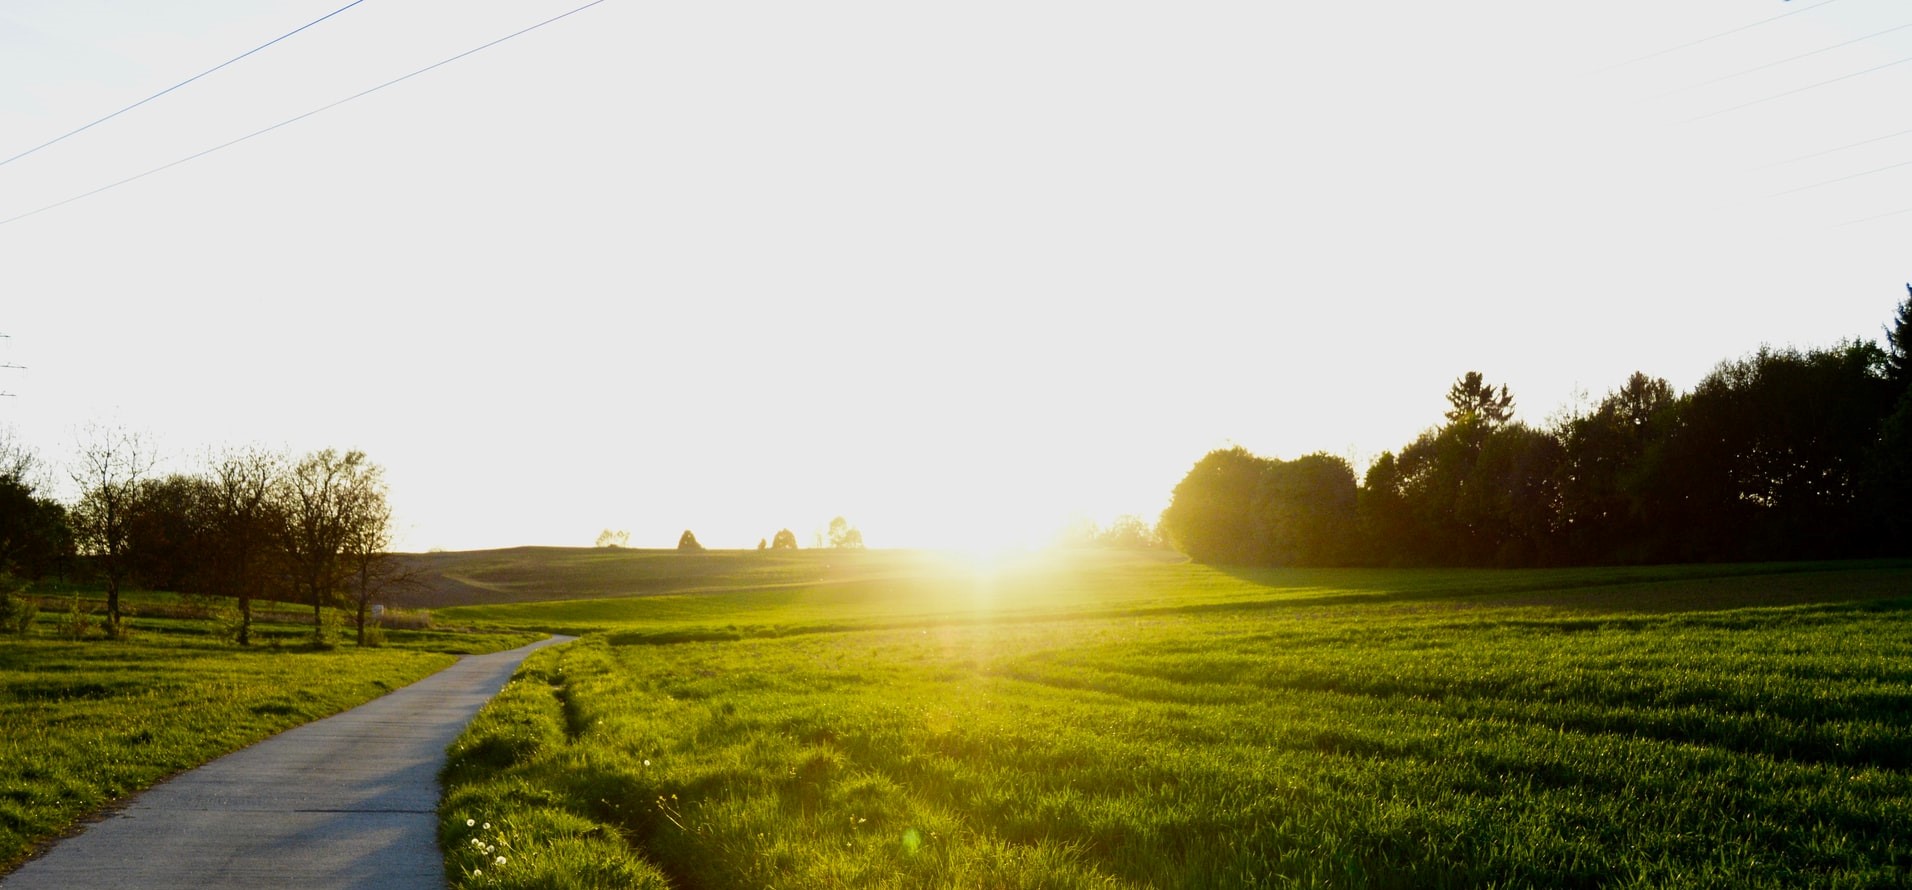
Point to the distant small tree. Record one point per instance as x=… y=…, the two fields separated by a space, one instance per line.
x=688 y=541
x=619 y=538
x=763 y=543
x=784 y=539
x=1079 y=531
x=844 y=536
x=1127 y=532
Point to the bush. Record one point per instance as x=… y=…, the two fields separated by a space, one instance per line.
x=16 y=611
x=76 y=622
x=394 y=619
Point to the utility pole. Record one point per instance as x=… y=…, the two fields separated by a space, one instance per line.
x=8 y=366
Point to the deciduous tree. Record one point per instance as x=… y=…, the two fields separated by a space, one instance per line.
x=246 y=519
x=371 y=571
x=35 y=537
x=845 y=536
x=317 y=503
x=109 y=466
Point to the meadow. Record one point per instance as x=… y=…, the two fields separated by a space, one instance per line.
x=1116 y=721
x=83 y=722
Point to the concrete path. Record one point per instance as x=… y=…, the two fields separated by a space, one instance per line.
x=345 y=802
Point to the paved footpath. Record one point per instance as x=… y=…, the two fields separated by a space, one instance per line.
x=345 y=802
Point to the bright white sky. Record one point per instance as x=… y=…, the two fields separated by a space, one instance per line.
x=956 y=271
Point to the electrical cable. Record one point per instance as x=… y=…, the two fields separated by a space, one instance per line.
x=293 y=120
x=1867 y=219
x=58 y=139
x=1820 y=154
x=1796 y=58
x=1841 y=179
x=1797 y=91
x=1725 y=33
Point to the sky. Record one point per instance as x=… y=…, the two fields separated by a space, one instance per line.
x=956 y=272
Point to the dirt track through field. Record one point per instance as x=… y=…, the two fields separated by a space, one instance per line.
x=345 y=802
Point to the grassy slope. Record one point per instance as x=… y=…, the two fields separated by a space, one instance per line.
x=82 y=723
x=530 y=574
x=1118 y=722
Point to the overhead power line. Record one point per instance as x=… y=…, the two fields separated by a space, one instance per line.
x=1824 y=49
x=1796 y=92
x=58 y=139
x=1821 y=154
x=1867 y=219
x=1727 y=33
x=1815 y=185
x=293 y=120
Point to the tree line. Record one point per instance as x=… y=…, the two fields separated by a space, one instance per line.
x=250 y=524
x=1783 y=454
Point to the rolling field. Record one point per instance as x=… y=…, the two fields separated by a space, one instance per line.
x=82 y=723
x=1137 y=722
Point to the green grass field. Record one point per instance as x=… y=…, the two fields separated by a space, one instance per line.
x=82 y=723
x=1137 y=722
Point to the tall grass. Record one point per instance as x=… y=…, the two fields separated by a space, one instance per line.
x=1423 y=733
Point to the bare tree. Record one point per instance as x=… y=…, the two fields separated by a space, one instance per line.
x=16 y=459
x=370 y=569
x=245 y=517
x=317 y=503
x=109 y=468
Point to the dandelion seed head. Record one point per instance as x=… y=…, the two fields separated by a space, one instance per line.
x=499 y=861
x=470 y=822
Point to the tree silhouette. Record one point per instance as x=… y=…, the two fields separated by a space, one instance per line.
x=784 y=539
x=688 y=541
x=1476 y=401
x=1898 y=341
x=35 y=537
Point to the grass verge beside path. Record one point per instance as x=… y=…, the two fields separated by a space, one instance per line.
x=1423 y=739
x=83 y=723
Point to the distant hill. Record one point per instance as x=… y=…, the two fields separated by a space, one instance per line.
x=534 y=574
